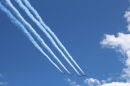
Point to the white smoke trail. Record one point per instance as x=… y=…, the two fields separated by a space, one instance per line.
x=30 y=7
x=33 y=31
x=18 y=23
x=42 y=28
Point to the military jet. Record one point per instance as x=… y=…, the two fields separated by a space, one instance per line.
x=84 y=75
x=70 y=74
x=80 y=76
x=63 y=73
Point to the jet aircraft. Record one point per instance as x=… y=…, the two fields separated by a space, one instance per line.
x=84 y=75
x=63 y=73
x=70 y=74
x=80 y=76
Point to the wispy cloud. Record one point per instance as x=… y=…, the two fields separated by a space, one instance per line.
x=127 y=16
x=96 y=82
x=72 y=83
x=109 y=79
x=3 y=83
x=92 y=82
x=116 y=84
x=120 y=43
x=1 y=75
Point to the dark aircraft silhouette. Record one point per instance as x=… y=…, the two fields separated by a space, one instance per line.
x=84 y=75
x=70 y=74
x=80 y=76
x=63 y=73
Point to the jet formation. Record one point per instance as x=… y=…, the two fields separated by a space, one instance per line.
x=72 y=74
x=18 y=19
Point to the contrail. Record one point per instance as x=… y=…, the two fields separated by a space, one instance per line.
x=42 y=28
x=33 y=31
x=18 y=23
x=27 y=3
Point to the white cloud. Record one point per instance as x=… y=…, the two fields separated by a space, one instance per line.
x=92 y=82
x=120 y=43
x=116 y=84
x=126 y=74
x=96 y=82
x=103 y=81
x=127 y=16
x=109 y=79
x=72 y=83
x=128 y=55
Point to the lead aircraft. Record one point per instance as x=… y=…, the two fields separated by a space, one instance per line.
x=70 y=74
x=80 y=76
x=84 y=75
x=63 y=73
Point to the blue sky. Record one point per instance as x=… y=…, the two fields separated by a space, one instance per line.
x=80 y=26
